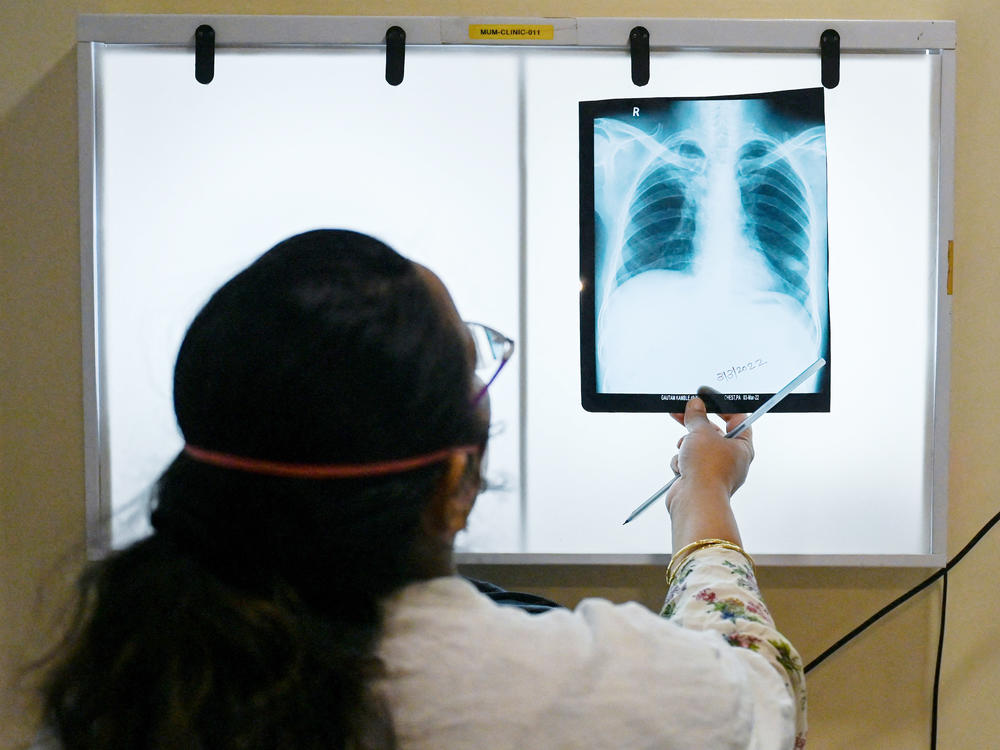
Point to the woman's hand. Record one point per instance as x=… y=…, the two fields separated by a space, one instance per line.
x=706 y=457
x=711 y=469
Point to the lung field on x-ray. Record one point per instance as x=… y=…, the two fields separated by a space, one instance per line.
x=659 y=184
x=661 y=224
x=776 y=214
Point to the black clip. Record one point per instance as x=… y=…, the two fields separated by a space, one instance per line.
x=638 y=43
x=204 y=54
x=395 y=52
x=829 y=54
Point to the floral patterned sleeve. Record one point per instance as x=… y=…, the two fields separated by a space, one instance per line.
x=715 y=589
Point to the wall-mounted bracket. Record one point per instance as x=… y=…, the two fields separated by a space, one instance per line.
x=829 y=52
x=395 y=52
x=204 y=54
x=638 y=43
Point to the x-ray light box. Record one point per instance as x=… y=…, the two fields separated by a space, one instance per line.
x=473 y=164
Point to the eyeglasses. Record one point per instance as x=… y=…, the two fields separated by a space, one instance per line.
x=493 y=351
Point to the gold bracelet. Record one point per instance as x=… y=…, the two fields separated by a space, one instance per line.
x=680 y=555
x=678 y=558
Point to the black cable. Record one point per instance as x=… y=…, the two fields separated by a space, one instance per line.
x=874 y=618
x=937 y=663
x=905 y=597
x=974 y=541
x=943 y=575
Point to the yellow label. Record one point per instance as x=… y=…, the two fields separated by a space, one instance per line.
x=511 y=32
x=951 y=262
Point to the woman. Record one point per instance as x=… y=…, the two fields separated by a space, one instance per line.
x=299 y=590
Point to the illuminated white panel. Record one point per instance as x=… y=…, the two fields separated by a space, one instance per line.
x=821 y=483
x=197 y=181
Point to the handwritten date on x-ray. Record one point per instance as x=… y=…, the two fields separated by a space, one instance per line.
x=731 y=373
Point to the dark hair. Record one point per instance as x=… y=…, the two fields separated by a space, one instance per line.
x=250 y=617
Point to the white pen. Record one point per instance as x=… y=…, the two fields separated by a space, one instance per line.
x=761 y=411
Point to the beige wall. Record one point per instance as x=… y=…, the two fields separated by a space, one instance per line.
x=874 y=694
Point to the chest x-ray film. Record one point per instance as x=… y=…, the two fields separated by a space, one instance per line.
x=703 y=238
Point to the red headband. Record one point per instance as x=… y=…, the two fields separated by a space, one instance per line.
x=321 y=471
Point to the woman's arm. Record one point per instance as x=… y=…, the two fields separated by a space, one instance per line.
x=715 y=588
x=712 y=583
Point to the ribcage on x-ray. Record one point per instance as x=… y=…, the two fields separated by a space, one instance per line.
x=777 y=215
x=660 y=229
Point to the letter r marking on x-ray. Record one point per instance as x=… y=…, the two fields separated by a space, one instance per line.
x=635 y=111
